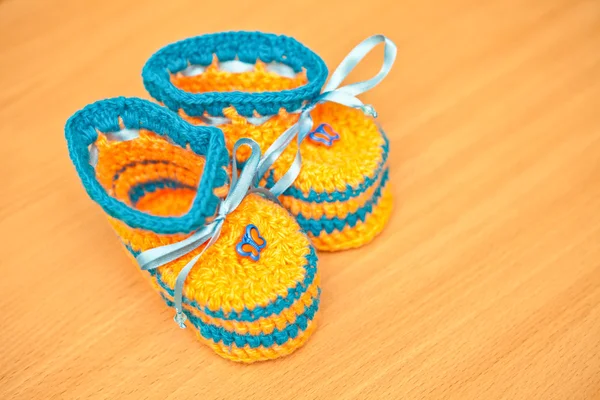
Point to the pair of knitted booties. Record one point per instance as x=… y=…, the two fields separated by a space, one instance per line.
x=221 y=194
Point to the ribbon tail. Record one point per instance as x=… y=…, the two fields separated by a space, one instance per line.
x=266 y=193
x=183 y=274
x=276 y=149
x=159 y=256
x=303 y=127
x=180 y=317
x=289 y=177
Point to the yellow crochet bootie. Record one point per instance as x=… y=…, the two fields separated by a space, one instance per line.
x=236 y=267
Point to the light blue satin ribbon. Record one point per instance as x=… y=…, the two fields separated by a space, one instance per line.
x=239 y=188
x=345 y=95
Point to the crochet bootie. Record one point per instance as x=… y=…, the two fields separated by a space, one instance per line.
x=269 y=88
x=236 y=266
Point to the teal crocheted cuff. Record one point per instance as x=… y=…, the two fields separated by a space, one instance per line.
x=114 y=115
x=246 y=47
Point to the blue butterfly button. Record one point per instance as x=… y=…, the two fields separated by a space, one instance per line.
x=251 y=244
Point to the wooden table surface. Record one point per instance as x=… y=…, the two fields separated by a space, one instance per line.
x=485 y=284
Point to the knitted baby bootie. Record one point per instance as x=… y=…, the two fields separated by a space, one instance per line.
x=324 y=154
x=234 y=265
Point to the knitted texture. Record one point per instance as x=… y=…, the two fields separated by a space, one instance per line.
x=244 y=310
x=339 y=186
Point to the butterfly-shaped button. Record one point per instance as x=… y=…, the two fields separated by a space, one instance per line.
x=251 y=244
x=324 y=134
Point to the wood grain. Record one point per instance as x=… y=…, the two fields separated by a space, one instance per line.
x=485 y=285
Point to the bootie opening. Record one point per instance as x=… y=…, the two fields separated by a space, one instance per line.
x=148 y=173
x=235 y=75
x=209 y=73
x=146 y=167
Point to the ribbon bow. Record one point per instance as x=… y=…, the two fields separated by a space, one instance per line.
x=345 y=95
x=239 y=188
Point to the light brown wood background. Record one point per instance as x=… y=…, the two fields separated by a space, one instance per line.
x=485 y=285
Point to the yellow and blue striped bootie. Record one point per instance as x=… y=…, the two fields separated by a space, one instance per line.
x=325 y=157
x=236 y=267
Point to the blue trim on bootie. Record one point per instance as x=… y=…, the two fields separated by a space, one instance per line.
x=278 y=337
x=227 y=46
x=329 y=225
